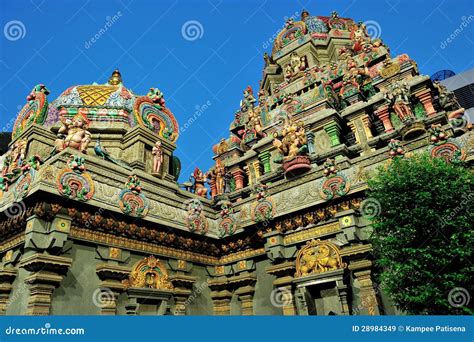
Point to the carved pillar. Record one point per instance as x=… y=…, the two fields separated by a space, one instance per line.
x=47 y=272
x=283 y=290
x=265 y=159
x=333 y=130
x=212 y=184
x=248 y=172
x=110 y=286
x=239 y=178
x=257 y=169
x=369 y=303
x=220 y=295
x=310 y=137
x=427 y=101
x=384 y=116
x=7 y=276
x=183 y=288
x=245 y=284
x=361 y=128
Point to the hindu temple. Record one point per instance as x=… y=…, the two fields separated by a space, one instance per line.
x=94 y=219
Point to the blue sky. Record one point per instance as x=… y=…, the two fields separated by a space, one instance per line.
x=147 y=44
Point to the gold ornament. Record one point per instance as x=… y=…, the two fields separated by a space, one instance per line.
x=318 y=257
x=149 y=273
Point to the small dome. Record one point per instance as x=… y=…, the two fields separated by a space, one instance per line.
x=106 y=106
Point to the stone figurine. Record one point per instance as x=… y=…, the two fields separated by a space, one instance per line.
x=157 y=158
x=73 y=133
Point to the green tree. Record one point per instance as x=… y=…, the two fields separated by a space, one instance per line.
x=423 y=235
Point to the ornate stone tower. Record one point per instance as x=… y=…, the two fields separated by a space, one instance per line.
x=90 y=204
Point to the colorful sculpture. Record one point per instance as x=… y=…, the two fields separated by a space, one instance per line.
x=291 y=142
x=219 y=173
x=398 y=95
x=248 y=101
x=132 y=201
x=318 y=257
x=157 y=153
x=196 y=220
x=335 y=184
x=149 y=273
x=199 y=180
x=74 y=182
x=395 y=148
x=73 y=133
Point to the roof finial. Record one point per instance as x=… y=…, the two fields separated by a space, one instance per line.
x=116 y=78
x=304 y=14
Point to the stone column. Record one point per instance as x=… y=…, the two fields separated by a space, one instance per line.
x=110 y=286
x=310 y=137
x=221 y=296
x=257 y=169
x=183 y=288
x=427 y=101
x=283 y=286
x=265 y=159
x=239 y=178
x=368 y=296
x=248 y=172
x=47 y=272
x=384 y=116
x=7 y=276
x=245 y=285
x=212 y=184
x=333 y=130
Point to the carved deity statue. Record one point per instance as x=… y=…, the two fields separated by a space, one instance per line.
x=297 y=65
x=73 y=133
x=318 y=257
x=293 y=142
x=254 y=120
x=199 y=180
x=398 y=95
x=268 y=60
x=219 y=173
x=447 y=99
x=157 y=157
x=249 y=100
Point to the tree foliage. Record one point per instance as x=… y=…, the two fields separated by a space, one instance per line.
x=423 y=237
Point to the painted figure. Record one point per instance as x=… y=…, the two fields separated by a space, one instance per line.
x=157 y=157
x=73 y=133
